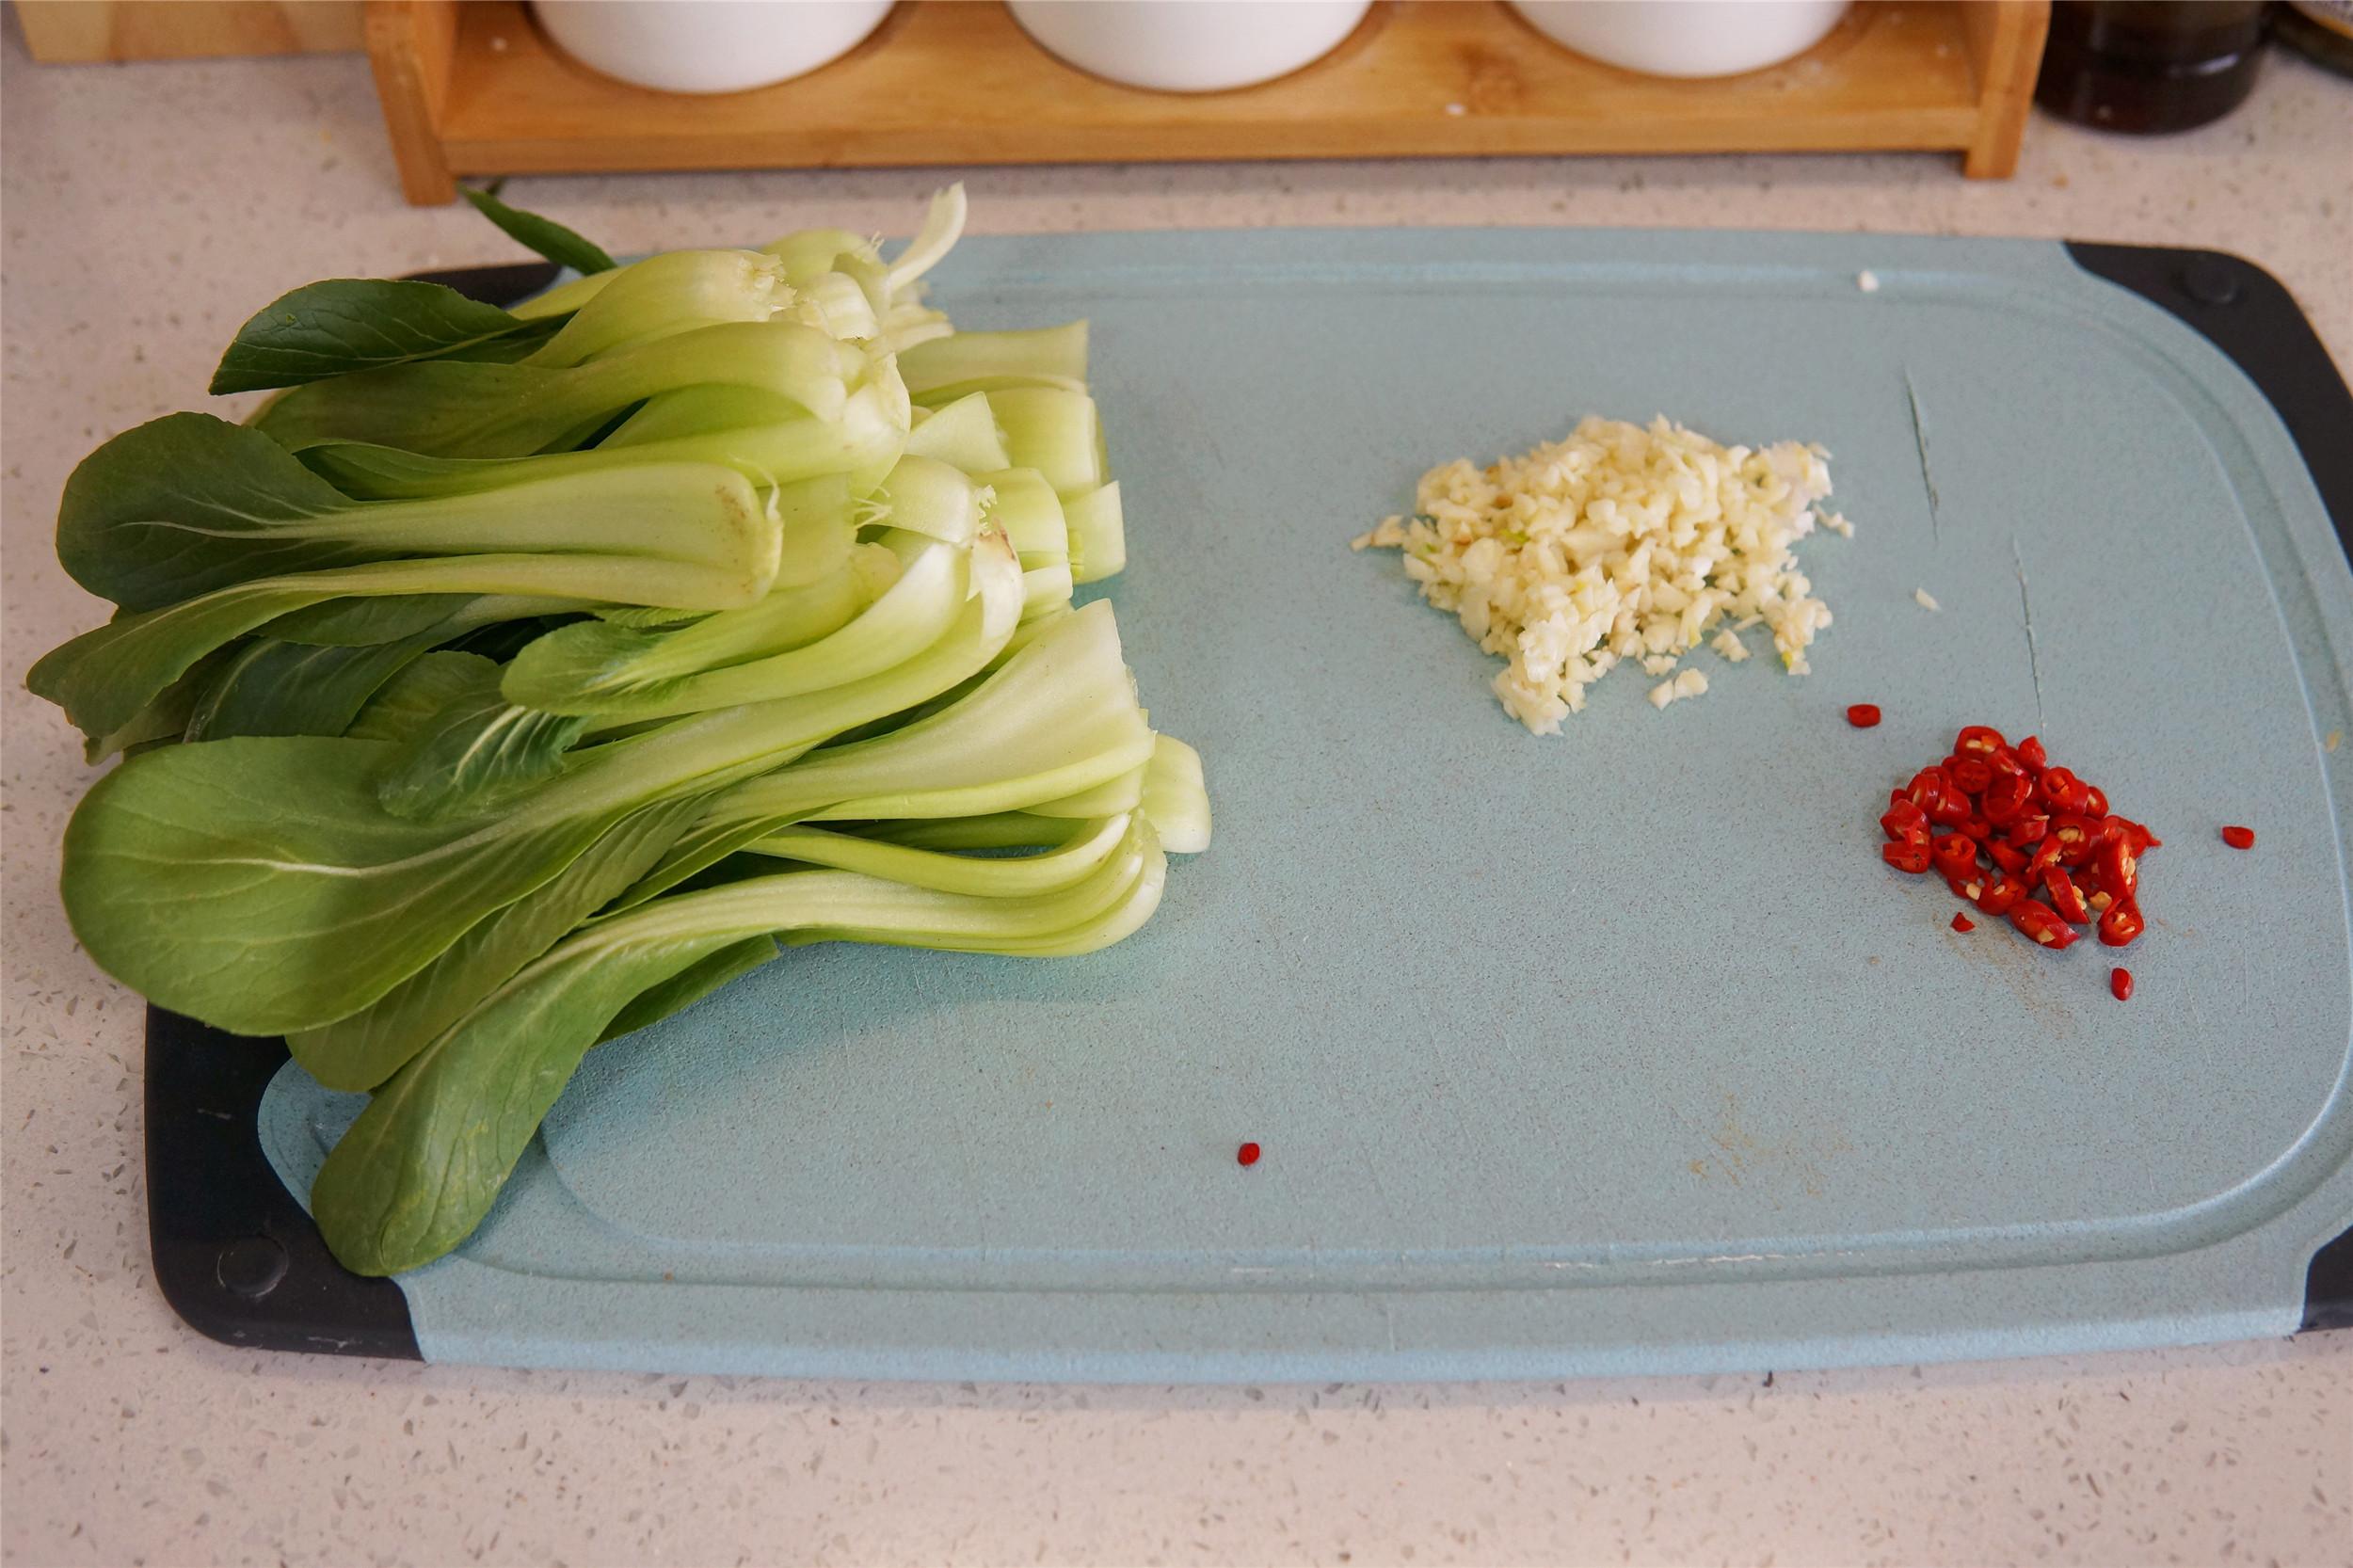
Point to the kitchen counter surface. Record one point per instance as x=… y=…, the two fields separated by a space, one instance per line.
x=149 y=208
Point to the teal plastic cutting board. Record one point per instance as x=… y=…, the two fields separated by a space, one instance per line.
x=1617 y=1051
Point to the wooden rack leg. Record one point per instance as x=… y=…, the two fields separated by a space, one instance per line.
x=2006 y=47
x=409 y=46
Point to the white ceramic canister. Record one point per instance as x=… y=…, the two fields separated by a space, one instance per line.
x=1190 y=45
x=1685 y=38
x=708 y=45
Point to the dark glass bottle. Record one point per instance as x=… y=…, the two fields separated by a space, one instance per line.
x=2148 y=66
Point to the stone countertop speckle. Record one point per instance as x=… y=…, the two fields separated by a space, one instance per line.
x=149 y=208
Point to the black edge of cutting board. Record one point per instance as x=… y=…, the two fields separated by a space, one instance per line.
x=241 y=1261
x=2249 y=314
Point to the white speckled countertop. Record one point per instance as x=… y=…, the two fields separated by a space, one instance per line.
x=147 y=210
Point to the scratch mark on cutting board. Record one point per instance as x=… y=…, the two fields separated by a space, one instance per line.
x=1928 y=477
x=2026 y=609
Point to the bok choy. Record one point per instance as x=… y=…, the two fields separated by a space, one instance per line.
x=515 y=677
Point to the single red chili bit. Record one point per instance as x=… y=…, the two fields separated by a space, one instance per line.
x=2063 y=791
x=2119 y=923
x=2001 y=894
x=2066 y=897
x=1863 y=715
x=2237 y=838
x=1973 y=774
x=2121 y=985
x=2006 y=797
x=1246 y=1155
x=1963 y=923
x=2031 y=752
x=2042 y=922
x=1911 y=855
x=2120 y=868
x=1902 y=817
x=1978 y=740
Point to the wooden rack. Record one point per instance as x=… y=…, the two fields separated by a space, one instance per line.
x=474 y=89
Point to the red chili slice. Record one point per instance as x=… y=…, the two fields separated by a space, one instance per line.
x=2001 y=893
x=1246 y=1155
x=2119 y=868
x=1963 y=923
x=1977 y=828
x=2078 y=841
x=2045 y=855
x=2007 y=796
x=1862 y=715
x=1955 y=851
x=1909 y=856
x=1978 y=740
x=2062 y=791
x=1972 y=774
x=2066 y=897
x=2121 y=985
x=1928 y=789
x=2096 y=801
x=1902 y=817
x=2028 y=831
x=2011 y=861
x=2240 y=838
x=2031 y=752
x=2042 y=923
x=2120 y=922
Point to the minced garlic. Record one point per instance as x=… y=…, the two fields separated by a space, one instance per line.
x=1616 y=543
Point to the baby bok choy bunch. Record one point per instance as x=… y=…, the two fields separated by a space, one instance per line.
x=513 y=678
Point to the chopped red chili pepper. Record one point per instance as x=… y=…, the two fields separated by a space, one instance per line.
x=2066 y=897
x=1862 y=715
x=2042 y=922
x=2045 y=855
x=2062 y=791
x=1246 y=1155
x=2006 y=797
x=2076 y=838
x=2240 y=838
x=2119 y=868
x=2001 y=824
x=1971 y=774
x=1955 y=851
x=2001 y=893
x=2121 y=985
x=2120 y=922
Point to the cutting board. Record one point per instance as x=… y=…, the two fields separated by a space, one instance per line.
x=1615 y=1051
